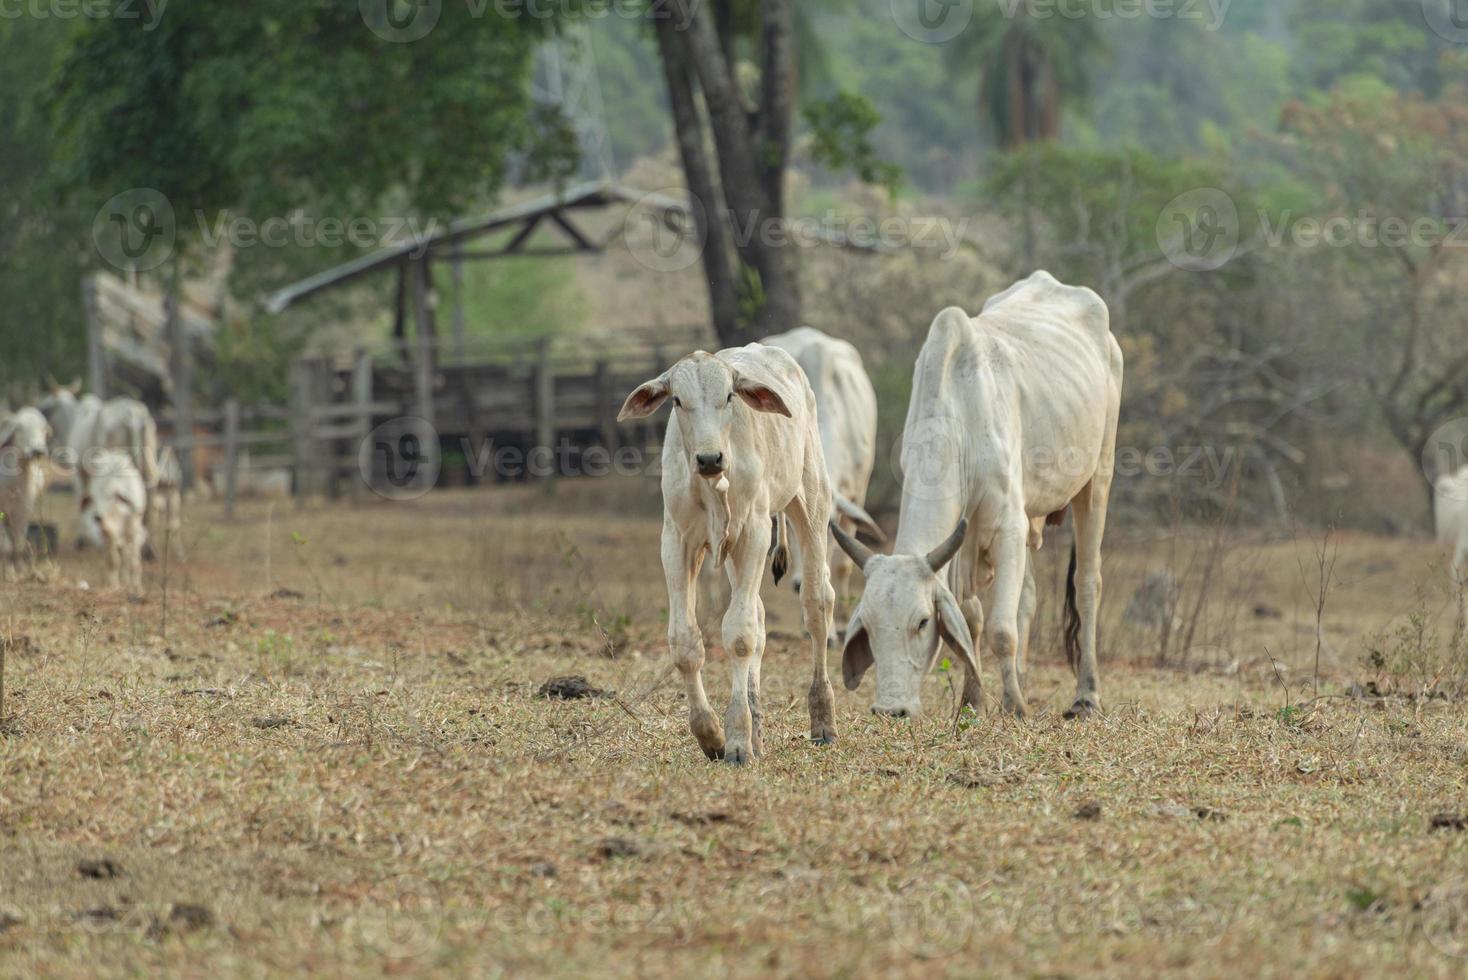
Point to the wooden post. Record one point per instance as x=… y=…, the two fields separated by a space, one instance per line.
x=301 y=407
x=606 y=413
x=458 y=271
x=362 y=402
x=183 y=376
x=545 y=398
x=423 y=322
x=97 y=368
x=231 y=455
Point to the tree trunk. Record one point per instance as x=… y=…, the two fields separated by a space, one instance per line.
x=753 y=152
x=709 y=226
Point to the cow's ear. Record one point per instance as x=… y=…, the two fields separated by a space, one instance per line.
x=760 y=396
x=953 y=627
x=856 y=656
x=648 y=398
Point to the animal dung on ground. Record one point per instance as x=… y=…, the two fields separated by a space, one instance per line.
x=570 y=688
x=101 y=869
x=1449 y=821
x=1090 y=810
x=620 y=847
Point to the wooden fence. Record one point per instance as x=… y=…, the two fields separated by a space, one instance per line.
x=516 y=396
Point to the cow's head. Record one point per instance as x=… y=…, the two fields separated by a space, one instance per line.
x=24 y=435
x=904 y=618
x=706 y=393
x=60 y=406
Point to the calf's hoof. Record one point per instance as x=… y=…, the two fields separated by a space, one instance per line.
x=1082 y=710
x=738 y=752
x=823 y=734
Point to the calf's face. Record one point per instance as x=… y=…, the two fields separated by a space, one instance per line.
x=707 y=395
x=904 y=619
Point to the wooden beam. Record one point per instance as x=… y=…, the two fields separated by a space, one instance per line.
x=97 y=367
x=582 y=242
x=523 y=234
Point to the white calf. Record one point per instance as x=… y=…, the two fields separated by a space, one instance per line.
x=23 y=438
x=741 y=447
x=113 y=508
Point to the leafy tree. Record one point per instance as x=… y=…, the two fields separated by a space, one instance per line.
x=1393 y=173
x=280 y=104
x=1029 y=67
x=40 y=238
x=752 y=279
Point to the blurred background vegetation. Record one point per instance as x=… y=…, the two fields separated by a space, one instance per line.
x=1054 y=142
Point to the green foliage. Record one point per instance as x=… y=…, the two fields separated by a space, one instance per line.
x=513 y=297
x=841 y=129
x=42 y=251
x=280 y=103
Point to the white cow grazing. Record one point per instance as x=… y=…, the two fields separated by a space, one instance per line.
x=86 y=424
x=846 y=406
x=23 y=439
x=1452 y=530
x=741 y=447
x=1012 y=421
x=113 y=509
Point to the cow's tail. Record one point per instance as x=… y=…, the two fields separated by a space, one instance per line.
x=779 y=549
x=1072 y=616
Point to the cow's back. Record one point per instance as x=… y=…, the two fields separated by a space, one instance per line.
x=846 y=404
x=1035 y=383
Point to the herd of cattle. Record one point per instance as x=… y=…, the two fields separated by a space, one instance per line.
x=126 y=487
x=1012 y=423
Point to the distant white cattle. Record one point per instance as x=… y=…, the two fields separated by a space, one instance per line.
x=23 y=440
x=113 y=507
x=1452 y=530
x=1012 y=421
x=741 y=447
x=846 y=406
x=85 y=424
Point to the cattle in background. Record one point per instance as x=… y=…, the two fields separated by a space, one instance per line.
x=114 y=506
x=741 y=447
x=85 y=425
x=1012 y=421
x=23 y=440
x=1451 y=493
x=846 y=407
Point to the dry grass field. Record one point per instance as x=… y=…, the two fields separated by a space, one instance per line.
x=318 y=750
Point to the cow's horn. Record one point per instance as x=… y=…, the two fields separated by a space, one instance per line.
x=943 y=554
x=859 y=552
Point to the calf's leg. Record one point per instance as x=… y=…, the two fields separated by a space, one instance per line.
x=817 y=599
x=681 y=561
x=744 y=639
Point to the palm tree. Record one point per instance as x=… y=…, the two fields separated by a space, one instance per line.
x=1029 y=67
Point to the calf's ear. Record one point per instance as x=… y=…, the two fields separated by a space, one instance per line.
x=856 y=657
x=760 y=396
x=953 y=628
x=648 y=398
